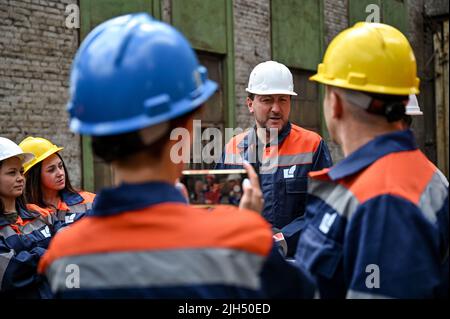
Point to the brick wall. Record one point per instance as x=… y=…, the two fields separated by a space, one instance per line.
x=335 y=18
x=252 y=45
x=36 y=50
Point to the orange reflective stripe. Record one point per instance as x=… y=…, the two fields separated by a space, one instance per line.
x=164 y=226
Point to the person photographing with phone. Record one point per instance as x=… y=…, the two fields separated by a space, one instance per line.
x=143 y=229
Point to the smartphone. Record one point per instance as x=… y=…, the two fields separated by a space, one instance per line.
x=208 y=188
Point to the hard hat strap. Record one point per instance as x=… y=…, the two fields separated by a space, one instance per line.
x=392 y=107
x=356 y=98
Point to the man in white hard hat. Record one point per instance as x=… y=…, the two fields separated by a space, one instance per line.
x=297 y=150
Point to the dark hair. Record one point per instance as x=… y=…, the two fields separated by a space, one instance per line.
x=407 y=119
x=119 y=147
x=20 y=201
x=33 y=187
x=251 y=96
x=393 y=107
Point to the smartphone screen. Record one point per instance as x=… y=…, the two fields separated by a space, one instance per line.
x=207 y=188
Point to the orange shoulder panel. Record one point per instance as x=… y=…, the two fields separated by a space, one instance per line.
x=404 y=174
x=38 y=209
x=232 y=145
x=87 y=196
x=300 y=140
x=247 y=230
x=164 y=226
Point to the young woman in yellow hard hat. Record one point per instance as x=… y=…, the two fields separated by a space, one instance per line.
x=48 y=184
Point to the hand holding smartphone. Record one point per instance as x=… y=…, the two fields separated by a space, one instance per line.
x=207 y=188
x=238 y=187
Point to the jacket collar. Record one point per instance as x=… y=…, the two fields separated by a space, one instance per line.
x=70 y=198
x=127 y=197
x=382 y=145
x=22 y=212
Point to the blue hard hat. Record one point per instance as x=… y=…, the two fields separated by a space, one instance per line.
x=133 y=72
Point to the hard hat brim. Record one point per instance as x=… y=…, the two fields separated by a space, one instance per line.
x=380 y=89
x=413 y=113
x=24 y=157
x=271 y=92
x=28 y=165
x=136 y=123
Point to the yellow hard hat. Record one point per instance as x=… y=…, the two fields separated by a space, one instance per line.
x=370 y=57
x=40 y=147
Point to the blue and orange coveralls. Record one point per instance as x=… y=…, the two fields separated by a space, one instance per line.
x=284 y=184
x=144 y=241
x=73 y=206
x=377 y=224
x=21 y=246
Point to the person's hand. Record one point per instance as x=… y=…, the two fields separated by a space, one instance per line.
x=180 y=186
x=252 y=197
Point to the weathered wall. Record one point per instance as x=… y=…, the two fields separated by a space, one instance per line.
x=252 y=45
x=36 y=50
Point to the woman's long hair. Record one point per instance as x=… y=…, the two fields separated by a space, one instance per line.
x=20 y=201
x=33 y=188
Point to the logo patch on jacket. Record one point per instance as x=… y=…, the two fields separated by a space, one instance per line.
x=69 y=218
x=46 y=232
x=327 y=222
x=289 y=172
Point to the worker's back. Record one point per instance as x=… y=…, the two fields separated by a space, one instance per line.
x=383 y=210
x=143 y=241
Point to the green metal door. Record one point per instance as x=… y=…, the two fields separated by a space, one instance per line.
x=297 y=33
x=392 y=12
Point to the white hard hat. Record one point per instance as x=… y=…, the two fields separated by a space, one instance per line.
x=270 y=77
x=412 y=108
x=10 y=149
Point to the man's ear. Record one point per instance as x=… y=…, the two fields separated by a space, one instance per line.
x=336 y=103
x=250 y=105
